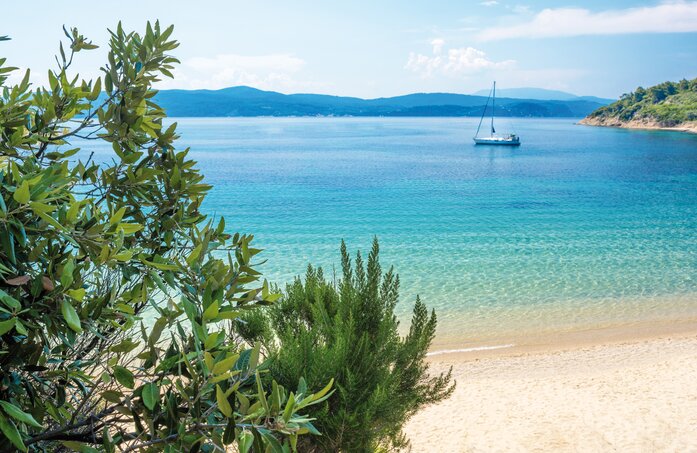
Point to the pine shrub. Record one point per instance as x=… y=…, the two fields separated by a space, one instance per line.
x=348 y=331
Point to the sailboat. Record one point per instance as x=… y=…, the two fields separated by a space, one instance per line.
x=493 y=138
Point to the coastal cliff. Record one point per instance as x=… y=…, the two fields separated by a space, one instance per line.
x=670 y=105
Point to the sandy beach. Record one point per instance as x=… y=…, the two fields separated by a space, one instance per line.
x=623 y=392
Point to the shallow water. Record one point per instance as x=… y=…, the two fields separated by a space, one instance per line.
x=579 y=226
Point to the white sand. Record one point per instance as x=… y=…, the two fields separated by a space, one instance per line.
x=633 y=396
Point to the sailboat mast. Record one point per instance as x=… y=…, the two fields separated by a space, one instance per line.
x=493 y=103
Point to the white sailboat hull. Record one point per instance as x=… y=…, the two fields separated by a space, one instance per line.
x=494 y=139
x=501 y=141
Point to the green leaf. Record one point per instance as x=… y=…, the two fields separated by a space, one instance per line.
x=8 y=244
x=112 y=396
x=124 y=376
x=229 y=433
x=161 y=266
x=22 y=194
x=156 y=331
x=125 y=346
x=80 y=447
x=9 y=301
x=123 y=308
x=223 y=403
x=67 y=274
x=18 y=414
x=228 y=314
x=211 y=340
x=151 y=395
x=19 y=327
x=254 y=356
x=6 y=326
x=50 y=220
x=245 y=441
x=108 y=85
x=73 y=211
x=260 y=392
x=96 y=89
x=290 y=406
x=118 y=215
x=124 y=256
x=225 y=364
x=71 y=317
x=311 y=429
x=41 y=207
x=130 y=228
x=272 y=442
x=211 y=312
x=302 y=386
x=324 y=391
x=77 y=294
x=10 y=431
x=195 y=253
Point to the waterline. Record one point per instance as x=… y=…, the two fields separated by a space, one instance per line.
x=472 y=349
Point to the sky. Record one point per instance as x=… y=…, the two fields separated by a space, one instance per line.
x=378 y=48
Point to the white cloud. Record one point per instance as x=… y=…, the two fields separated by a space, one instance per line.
x=489 y=3
x=672 y=17
x=266 y=72
x=457 y=62
x=437 y=46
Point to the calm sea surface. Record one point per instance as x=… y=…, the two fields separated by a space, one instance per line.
x=579 y=227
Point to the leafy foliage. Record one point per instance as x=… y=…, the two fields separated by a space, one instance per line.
x=669 y=103
x=117 y=296
x=349 y=332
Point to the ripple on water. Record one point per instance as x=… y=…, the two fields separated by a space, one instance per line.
x=578 y=226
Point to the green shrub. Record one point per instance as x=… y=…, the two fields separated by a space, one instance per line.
x=86 y=250
x=348 y=331
x=668 y=103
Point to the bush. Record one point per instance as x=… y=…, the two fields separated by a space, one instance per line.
x=668 y=103
x=89 y=253
x=348 y=331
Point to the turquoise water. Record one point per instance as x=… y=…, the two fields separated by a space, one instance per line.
x=578 y=227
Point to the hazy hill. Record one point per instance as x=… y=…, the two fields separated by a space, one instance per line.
x=667 y=105
x=543 y=94
x=246 y=101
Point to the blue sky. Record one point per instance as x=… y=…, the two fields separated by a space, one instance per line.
x=371 y=48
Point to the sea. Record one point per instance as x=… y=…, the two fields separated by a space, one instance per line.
x=578 y=228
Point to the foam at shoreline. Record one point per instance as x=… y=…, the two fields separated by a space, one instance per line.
x=473 y=349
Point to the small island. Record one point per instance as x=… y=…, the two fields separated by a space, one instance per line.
x=669 y=105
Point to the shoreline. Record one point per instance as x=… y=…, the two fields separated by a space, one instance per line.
x=689 y=127
x=564 y=340
x=617 y=389
x=571 y=322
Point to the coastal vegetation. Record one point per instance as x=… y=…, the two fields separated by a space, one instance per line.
x=117 y=295
x=346 y=330
x=130 y=321
x=669 y=104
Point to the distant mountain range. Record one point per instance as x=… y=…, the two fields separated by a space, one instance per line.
x=247 y=101
x=543 y=94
